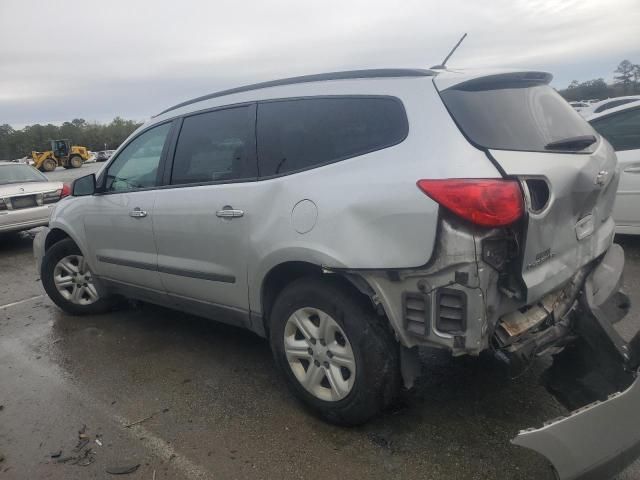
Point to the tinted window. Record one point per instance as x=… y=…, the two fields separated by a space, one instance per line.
x=622 y=129
x=215 y=146
x=514 y=117
x=137 y=165
x=613 y=104
x=16 y=173
x=298 y=134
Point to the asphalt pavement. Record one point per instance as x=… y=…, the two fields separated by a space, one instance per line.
x=172 y=396
x=67 y=175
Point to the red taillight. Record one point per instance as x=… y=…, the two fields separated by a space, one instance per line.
x=486 y=202
x=66 y=190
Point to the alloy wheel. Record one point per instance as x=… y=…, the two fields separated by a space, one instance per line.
x=319 y=354
x=73 y=280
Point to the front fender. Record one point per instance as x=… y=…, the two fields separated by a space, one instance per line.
x=60 y=219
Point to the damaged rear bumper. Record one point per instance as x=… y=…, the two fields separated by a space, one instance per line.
x=596 y=442
x=599 y=375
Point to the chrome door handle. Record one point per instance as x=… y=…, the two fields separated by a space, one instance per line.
x=137 y=213
x=229 y=213
x=632 y=170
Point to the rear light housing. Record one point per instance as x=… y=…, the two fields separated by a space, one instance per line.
x=56 y=195
x=66 y=190
x=484 y=202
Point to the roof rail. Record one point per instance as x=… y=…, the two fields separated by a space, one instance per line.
x=352 y=74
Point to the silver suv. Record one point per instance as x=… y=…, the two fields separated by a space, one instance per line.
x=354 y=216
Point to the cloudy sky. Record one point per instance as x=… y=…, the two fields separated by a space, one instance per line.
x=96 y=59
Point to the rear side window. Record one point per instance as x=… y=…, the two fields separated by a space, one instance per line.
x=510 y=116
x=215 y=146
x=613 y=104
x=622 y=129
x=299 y=134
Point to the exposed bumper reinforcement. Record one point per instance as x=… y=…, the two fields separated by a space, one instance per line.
x=599 y=376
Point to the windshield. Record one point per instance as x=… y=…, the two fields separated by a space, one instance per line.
x=515 y=117
x=20 y=174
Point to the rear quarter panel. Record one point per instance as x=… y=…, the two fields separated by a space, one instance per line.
x=370 y=213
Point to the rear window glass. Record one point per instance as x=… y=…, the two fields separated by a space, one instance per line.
x=514 y=117
x=299 y=134
x=20 y=174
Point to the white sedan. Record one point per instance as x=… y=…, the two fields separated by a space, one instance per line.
x=26 y=197
x=621 y=126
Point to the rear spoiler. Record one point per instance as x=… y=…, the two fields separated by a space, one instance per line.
x=495 y=81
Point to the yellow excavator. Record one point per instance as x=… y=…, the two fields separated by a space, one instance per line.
x=62 y=154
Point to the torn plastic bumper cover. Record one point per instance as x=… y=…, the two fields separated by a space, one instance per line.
x=599 y=376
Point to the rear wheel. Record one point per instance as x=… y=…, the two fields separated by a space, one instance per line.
x=335 y=353
x=75 y=161
x=49 y=165
x=68 y=281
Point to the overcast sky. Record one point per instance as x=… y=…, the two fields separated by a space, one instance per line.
x=95 y=59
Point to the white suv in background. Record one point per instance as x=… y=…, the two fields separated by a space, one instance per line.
x=621 y=127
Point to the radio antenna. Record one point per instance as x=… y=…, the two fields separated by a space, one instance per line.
x=443 y=65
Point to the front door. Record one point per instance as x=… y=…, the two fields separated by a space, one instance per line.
x=119 y=221
x=202 y=223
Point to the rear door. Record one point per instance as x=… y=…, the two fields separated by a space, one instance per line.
x=201 y=220
x=568 y=174
x=622 y=129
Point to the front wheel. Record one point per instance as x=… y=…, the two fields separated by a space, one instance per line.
x=335 y=353
x=68 y=281
x=49 y=165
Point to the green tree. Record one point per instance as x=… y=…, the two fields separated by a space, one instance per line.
x=636 y=78
x=624 y=75
x=94 y=136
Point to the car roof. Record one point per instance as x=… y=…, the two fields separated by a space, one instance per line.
x=447 y=77
x=620 y=108
x=322 y=77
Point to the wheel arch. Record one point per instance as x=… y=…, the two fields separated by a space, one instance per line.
x=57 y=233
x=54 y=236
x=283 y=274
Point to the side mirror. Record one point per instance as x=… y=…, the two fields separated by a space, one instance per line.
x=84 y=186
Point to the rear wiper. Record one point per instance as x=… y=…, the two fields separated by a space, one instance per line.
x=572 y=143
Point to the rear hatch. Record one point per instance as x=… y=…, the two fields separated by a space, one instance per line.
x=567 y=171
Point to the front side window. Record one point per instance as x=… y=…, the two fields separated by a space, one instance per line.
x=215 y=146
x=298 y=134
x=137 y=165
x=621 y=129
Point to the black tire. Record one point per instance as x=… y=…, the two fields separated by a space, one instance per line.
x=55 y=253
x=75 y=161
x=377 y=380
x=49 y=165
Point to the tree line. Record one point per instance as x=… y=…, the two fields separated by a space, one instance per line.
x=95 y=136
x=626 y=81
